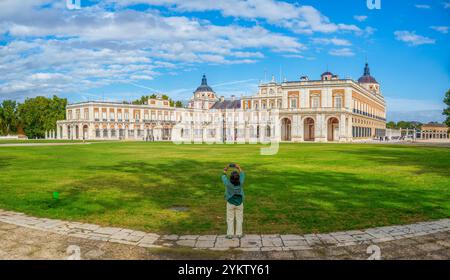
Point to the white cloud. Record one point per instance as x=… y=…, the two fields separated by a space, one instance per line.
x=422 y=6
x=93 y=47
x=412 y=39
x=446 y=5
x=442 y=29
x=342 y=52
x=332 y=41
x=300 y=19
x=360 y=18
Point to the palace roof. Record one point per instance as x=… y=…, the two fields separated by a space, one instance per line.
x=204 y=86
x=227 y=104
x=367 y=78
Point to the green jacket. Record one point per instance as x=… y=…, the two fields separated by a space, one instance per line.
x=231 y=190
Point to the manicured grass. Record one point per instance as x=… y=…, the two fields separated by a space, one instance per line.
x=304 y=188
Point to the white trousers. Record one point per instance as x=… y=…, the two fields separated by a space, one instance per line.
x=233 y=212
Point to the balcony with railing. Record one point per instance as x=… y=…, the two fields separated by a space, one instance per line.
x=362 y=113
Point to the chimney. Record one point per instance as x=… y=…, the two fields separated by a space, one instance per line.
x=304 y=78
x=233 y=98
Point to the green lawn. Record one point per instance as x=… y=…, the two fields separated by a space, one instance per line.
x=304 y=188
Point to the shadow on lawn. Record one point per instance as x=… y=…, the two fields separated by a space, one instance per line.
x=276 y=201
x=5 y=161
x=434 y=160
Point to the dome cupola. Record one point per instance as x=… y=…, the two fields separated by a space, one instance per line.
x=367 y=78
x=204 y=86
x=368 y=81
x=204 y=96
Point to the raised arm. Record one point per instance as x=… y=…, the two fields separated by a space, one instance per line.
x=242 y=174
x=238 y=167
x=224 y=176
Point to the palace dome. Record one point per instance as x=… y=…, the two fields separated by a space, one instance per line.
x=367 y=78
x=204 y=86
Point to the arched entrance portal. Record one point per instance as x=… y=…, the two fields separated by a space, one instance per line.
x=85 y=132
x=77 y=132
x=286 y=129
x=309 y=129
x=333 y=129
x=69 y=133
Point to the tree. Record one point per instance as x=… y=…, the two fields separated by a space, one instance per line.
x=179 y=104
x=391 y=125
x=38 y=115
x=447 y=110
x=8 y=117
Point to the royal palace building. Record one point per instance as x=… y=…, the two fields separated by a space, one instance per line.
x=329 y=109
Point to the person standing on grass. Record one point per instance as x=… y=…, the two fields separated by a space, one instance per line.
x=234 y=195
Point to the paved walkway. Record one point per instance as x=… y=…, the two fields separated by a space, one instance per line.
x=249 y=243
x=19 y=242
x=43 y=144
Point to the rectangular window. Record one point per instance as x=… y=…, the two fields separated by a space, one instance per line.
x=127 y=116
x=119 y=116
x=338 y=102
x=111 y=116
x=315 y=102
x=104 y=116
x=293 y=102
x=96 y=115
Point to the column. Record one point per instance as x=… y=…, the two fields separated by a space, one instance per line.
x=301 y=128
x=343 y=137
x=320 y=127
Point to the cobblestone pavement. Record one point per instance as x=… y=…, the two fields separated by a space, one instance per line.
x=39 y=238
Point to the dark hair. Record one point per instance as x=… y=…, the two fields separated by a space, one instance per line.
x=234 y=178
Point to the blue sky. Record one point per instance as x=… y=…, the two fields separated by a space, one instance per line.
x=120 y=50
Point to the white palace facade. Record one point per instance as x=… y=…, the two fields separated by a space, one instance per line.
x=326 y=110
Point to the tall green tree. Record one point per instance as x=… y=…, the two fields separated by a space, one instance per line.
x=38 y=115
x=447 y=110
x=391 y=125
x=8 y=117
